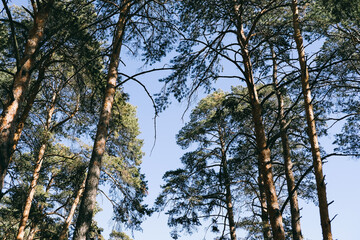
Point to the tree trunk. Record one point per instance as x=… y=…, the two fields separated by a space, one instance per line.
x=266 y=170
x=40 y=158
x=265 y=165
x=89 y=199
x=8 y=123
x=266 y=228
x=229 y=204
x=68 y=220
x=29 y=103
x=290 y=180
x=34 y=228
x=315 y=150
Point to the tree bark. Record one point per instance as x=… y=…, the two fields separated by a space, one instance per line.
x=29 y=103
x=265 y=165
x=35 y=226
x=229 y=204
x=89 y=199
x=315 y=149
x=69 y=218
x=8 y=123
x=266 y=228
x=33 y=184
x=290 y=179
x=266 y=170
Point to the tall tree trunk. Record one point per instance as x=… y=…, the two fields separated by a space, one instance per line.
x=315 y=149
x=35 y=226
x=8 y=123
x=39 y=161
x=69 y=218
x=92 y=181
x=229 y=203
x=266 y=170
x=29 y=103
x=290 y=179
x=265 y=165
x=266 y=228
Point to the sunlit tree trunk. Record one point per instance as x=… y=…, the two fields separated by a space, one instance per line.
x=290 y=179
x=315 y=149
x=265 y=165
x=8 y=123
x=36 y=173
x=29 y=103
x=34 y=229
x=35 y=226
x=262 y=147
x=88 y=202
x=266 y=228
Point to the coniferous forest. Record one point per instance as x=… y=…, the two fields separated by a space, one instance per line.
x=261 y=83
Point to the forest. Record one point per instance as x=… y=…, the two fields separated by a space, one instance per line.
x=256 y=87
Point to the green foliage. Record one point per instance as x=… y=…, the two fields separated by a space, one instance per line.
x=223 y=156
x=72 y=56
x=345 y=9
x=60 y=177
x=121 y=166
x=114 y=235
x=221 y=124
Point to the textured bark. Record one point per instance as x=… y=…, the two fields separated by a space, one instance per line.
x=263 y=150
x=266 y=170
x=69 y=218
x=290 y=179
x=29 y=103
x=36 y=173
x=265 y=165
x=310 y=119
x=31 y=193
x=266 y=228
x=8 y=123
x=89 y=199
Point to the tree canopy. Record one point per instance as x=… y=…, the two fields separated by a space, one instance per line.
x=252 y=153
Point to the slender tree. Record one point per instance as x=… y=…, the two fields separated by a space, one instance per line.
x=206 y=179
x=239 y=21
x=65 y=228
x=49 y=128
x=89 y=199
x=137 y=22
x=295 y=212
x=315 y=149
